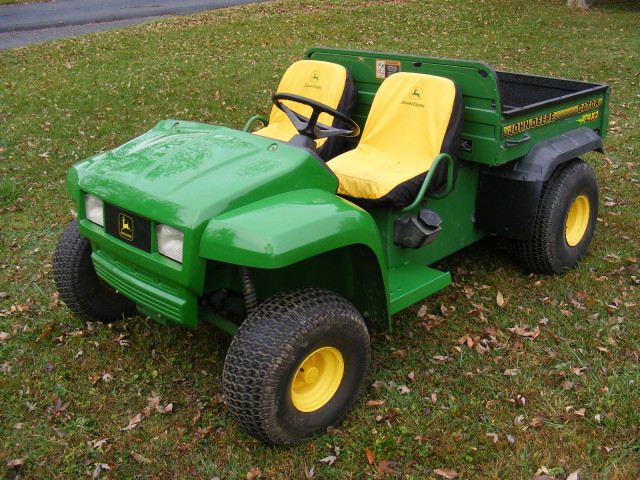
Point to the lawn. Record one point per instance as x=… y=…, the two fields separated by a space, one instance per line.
x=508 y=375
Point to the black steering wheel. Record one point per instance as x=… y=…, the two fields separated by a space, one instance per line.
x=309 y=127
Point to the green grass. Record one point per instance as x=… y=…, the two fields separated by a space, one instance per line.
x=12 y=2
x=63 y=101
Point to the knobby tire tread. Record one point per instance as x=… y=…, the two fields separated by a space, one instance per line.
x=78 y=284
x=542 y=253
x=263 y=343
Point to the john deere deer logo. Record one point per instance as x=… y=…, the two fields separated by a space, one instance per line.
x=125 y=227
x=315 y=77
x=416 y=93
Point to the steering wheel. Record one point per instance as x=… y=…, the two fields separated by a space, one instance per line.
x=309 y=127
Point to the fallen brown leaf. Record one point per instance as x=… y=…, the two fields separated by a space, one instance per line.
x=446 y=473
x=139 y=458
x=133 y=423
x=58 y=407
x=329 y=460
x=310 y=473
x=253 y=474
x=370 y=455
x=386 y=466
x=403 y=389
x=331 y=430
x=16 y=463
x=492 y=436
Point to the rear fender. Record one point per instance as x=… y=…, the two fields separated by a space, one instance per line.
x=508 y=195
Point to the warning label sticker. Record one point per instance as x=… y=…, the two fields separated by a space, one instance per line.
x=384 y=68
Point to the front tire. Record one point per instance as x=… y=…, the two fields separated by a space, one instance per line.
x=565 y=221
x=79 y=287
x=296 y=366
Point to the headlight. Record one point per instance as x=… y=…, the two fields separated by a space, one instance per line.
x=94 y=210
x=170 y=241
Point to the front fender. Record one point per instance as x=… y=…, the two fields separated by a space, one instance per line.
x=284 y=229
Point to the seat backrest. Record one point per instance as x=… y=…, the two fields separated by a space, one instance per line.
x=324 y=82
x=413 y=118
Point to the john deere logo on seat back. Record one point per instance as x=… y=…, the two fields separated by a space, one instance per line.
x=314 y=81
x=415 y=95
x=126 y=226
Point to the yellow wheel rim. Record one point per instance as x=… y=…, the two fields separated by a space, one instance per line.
x=317 y=379
x=577 y=220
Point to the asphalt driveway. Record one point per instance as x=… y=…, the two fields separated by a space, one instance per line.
x=24 y=24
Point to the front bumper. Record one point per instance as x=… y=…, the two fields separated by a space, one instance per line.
x=170 y=302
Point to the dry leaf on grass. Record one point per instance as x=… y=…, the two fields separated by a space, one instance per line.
x=133 y=423
x=370 y=455
x=16 y=463
x=329 y=460
x=139 y=458
x=310 y=473
x=386 y=466
x=500 y=300
x=331 y=430
x=253 y=474
x=403 y=389
x=58 y=407
x=525 y=331
x=446 y=473
x=537 y=422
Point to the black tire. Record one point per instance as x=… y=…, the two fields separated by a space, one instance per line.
x=559 y=240
x=268 y=353
x=79 y=287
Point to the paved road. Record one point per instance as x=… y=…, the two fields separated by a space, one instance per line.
x=38 y=22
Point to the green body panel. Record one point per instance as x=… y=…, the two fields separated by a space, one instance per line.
x=410 y=283
x=287 y=228
x=457 y=211
x=245 y=200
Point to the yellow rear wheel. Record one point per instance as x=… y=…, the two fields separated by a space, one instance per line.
x=577 y=220
x=317 y=379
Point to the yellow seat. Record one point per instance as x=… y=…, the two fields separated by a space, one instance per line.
x=413 y=118
x=324 y=82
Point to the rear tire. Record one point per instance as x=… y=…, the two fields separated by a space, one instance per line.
x=296 y=366
x=79 y=287
x=565 y=221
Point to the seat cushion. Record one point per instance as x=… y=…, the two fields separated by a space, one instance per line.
x=413 y=118
x=324 y=82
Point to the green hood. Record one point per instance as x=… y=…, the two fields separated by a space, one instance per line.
x=185 y=173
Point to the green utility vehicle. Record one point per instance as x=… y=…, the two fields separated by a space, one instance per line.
x=296 y=236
